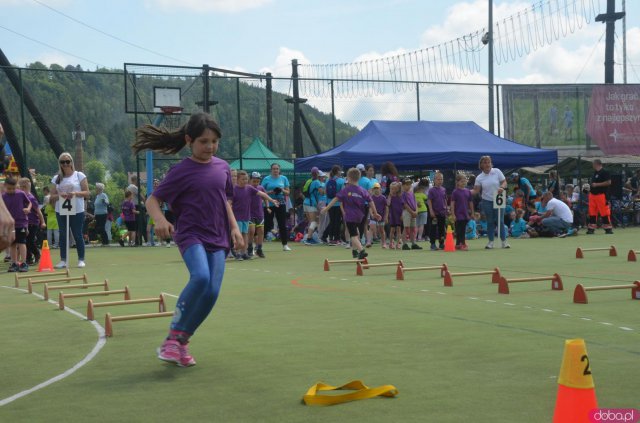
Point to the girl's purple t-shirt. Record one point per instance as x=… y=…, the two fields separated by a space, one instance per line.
x=16 y=203
x=462 y=197
x=395 y=211
x=242 y=199
x=33 y=218
x=380 y=201
x=353 y=199
x=197 y=195
x=410 y=200
x=438 y=197
x=257 y=206
x=127 y=210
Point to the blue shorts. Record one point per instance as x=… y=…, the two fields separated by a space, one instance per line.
x=243 y=225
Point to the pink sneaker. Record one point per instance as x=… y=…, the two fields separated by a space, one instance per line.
x=170 y=352
x=186 y=360
x=464 y=247
x=384 y=246
x=399 y=246
x=392 y=245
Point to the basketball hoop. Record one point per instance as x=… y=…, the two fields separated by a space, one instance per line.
x=172 y=116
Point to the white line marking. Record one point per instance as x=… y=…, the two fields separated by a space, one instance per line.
x=606 y=323
x=565 y=315
x=527 y=307
x=424 y=290
x=473 y=298
x=441 y=293
x=547 y=310
x=344 y=279
x=102 y=340
x=625 y=328
x=491 y=301
x=509 y=304
x=585 y=318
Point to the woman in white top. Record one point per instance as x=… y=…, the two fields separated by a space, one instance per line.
x=70 y=186
x=489 y=182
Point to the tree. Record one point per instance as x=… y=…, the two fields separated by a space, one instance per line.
x=95 y=171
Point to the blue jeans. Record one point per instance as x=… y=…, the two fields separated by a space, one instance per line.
x=493 y=216
x=199 y=296
x=76 y=223
x=555 y=224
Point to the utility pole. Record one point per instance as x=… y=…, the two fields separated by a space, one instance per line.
x=610 y=19
x=490 y=41
x=78 y=137
x=296 y=101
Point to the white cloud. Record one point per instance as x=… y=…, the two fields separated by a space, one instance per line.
x=466 y=17
x=52 y=57
x=225 y=6
x=282 y=64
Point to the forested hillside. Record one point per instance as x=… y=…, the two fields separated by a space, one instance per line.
x=95 y=99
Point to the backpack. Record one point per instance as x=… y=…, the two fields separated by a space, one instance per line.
x=331 y=188
x=305 y=189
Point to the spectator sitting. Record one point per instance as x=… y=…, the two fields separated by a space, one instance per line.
x=518 y=200
x=471 y=232
x=482 y=225
x=518 y=227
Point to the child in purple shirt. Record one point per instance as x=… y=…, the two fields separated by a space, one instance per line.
x=243 y=195
x=196 y=190
x=409 y=215
x=437 y=202
x=353 y=199
x=19 y=207
x=461 y=209
x=395 y=206
x=35 y=222
x=129 y=211
x=381 y=206
x=256 y=224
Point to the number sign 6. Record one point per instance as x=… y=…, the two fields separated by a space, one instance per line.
x=499 y=201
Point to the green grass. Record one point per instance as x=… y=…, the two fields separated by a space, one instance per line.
x=463 y=353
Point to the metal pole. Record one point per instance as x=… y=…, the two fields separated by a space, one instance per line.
x=498 y=107
x=239 y=120
x=297 y=127
x=205 y=88
x=269 y=111
x=333 y=115
x=624 y=42
x=25 y=171
x=490 y=52
x=418 y=99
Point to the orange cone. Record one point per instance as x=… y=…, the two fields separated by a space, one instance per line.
x=449 y=245
x=576 y=391
x=45 y=259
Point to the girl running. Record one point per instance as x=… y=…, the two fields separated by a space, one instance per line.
x=196 y=190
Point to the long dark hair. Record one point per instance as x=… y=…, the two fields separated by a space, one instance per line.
x=163 y=141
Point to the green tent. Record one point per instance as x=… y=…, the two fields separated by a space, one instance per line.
x=259 y=158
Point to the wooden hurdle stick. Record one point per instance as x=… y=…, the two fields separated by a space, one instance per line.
x=632 y=256
x=48 y=288
x=611 y=249
x=109 y=319
x=160 y=300
x=580 y=293
x=362 y=266
x=40 y=275
x=62 y=296
x=556 y=282
x=67 y=279
x=328 y=262
x=495 y=278
x=400 y=270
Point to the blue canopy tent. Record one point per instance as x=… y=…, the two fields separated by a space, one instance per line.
x=418 y=145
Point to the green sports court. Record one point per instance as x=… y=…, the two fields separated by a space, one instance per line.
x=282 y=324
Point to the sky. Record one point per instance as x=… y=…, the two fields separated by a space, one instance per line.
x=264 y=35
x=260 y=36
